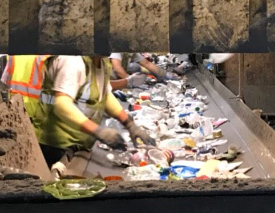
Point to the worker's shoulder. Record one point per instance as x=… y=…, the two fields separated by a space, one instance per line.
x=68 y=64
x=73 y=61
x=69 y=58
x=116 y=56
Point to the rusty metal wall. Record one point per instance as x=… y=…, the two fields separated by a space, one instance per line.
x=179 y=26
x=259 y=80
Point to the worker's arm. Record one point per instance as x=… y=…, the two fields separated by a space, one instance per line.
x=118 y=68
x=134 y=80
x=115 y=110
x=158 y=71
x=119 y=84
x=149 y=65
x=66 y=110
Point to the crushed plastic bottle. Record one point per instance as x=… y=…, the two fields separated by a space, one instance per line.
x=75 y=189
x=158 y=93
x=174 y=86
x=149 y=172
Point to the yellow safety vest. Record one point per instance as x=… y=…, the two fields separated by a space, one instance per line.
x=51 y=130
x=25 y=76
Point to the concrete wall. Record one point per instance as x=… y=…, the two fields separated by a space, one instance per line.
x=139 y=25
x=88 y=26
x=23 y=25
x=18 y=140
x=4 y=25
x=259 y=80
x=67 y=27
x=231 y=68
x=215 y=29
x=271 y=24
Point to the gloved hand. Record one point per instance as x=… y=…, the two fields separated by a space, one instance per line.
x=136 y=133
x=136 y=80
x=110 y=137
x=161 y=73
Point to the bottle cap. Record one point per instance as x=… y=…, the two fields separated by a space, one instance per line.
x=142 y=163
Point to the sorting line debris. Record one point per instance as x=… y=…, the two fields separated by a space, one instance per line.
x=173 y=113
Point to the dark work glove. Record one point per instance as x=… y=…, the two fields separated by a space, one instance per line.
x=161 y=73
x=110 y=137
x=137 y=133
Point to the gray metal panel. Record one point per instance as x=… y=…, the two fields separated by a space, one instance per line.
x=255 y=135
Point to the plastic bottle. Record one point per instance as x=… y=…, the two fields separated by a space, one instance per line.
x=139 y=159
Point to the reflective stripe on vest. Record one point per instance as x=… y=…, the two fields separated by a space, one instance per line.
x=33 y=87
x=25 y=91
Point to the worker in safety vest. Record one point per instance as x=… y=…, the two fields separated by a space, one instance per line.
x=125 y=64
x=24 y=75
x=75 y=94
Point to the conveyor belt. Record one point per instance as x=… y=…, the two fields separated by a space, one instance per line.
x=230 y=131
x=236 y=132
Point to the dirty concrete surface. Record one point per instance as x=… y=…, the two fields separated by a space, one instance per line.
x=69 y=27
x=18 y=141
x=31 y=190
x=258 y=41
x=4 y=25
x=23 y=26
x=213 y=28
x=145 y=21
x=102 y=26
x=181 y=26
x=66 y=27
x=271 y=22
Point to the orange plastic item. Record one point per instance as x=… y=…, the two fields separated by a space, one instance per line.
x=142 y=163
x=136 y=107
x=204 y=177
x=152 y=76
x=145 y=97
x=113 y=178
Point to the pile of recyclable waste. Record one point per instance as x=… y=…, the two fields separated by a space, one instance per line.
x=188 y=143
